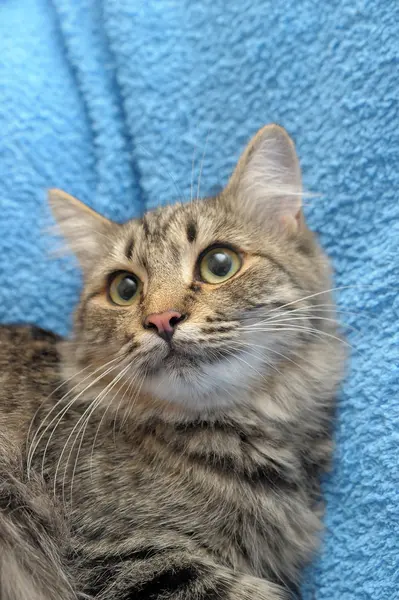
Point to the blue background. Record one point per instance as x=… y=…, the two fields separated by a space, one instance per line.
x=110 y=100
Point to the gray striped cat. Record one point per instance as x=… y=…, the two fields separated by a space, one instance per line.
x=172 y=447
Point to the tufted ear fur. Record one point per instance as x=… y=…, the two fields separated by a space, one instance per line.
x=84 y=230
x=266 y=182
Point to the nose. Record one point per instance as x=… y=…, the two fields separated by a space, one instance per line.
x=165 y=323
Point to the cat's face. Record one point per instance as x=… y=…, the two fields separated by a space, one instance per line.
x=193 y=303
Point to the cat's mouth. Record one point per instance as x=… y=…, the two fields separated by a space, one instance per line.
x=178 y=358
x=195 y=373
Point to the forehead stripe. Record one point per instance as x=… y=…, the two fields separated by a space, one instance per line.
x=129 y=249
x=191 y=232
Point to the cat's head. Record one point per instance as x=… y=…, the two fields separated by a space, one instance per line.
x=197 y=302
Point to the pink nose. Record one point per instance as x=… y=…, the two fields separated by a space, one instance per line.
x=165 y=323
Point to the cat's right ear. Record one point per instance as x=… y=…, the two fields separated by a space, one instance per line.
x=83 y=229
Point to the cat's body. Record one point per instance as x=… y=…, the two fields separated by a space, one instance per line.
x=187 y=462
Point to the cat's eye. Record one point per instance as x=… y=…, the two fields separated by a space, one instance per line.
x=219 y=264
x=124 y=288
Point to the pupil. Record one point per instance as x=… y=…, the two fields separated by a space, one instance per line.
x=220 y=264
x=127 y=288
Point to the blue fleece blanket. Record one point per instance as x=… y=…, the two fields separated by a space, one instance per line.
x=110 y=100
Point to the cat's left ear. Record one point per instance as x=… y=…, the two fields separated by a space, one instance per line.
x=84 y=230
x=266 y=183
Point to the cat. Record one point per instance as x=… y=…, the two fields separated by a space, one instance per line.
x=172 y=447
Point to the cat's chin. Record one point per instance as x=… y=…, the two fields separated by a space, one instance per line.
x=217 y=384
x=182 y=359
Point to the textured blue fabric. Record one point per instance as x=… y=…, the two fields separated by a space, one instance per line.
x=110 y=100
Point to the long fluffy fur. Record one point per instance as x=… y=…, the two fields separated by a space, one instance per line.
x=32 y=535
x=185 y=471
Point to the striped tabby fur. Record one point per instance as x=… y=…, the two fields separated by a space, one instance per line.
x=187 y=470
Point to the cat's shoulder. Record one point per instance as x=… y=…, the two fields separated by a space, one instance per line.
x=25 y=340
x=29 y=363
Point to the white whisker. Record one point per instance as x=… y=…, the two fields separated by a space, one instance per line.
x=192 y=173
x=29 y=445
x=202 y=164
x=235 y=355
x=132 y=401
x=63 y=412
x=35 y=443
x=344 y=287
x=129 y=385
x=94 y=402
x=310 y=330
x=116 y=380
x=169 y=174
x=286 y=319
x=264 y=347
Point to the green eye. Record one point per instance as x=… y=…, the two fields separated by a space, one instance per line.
x=124 y=288
x=219 y=264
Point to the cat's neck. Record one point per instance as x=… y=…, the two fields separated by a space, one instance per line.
x=297 y=392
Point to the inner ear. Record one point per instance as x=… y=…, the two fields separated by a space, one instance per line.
x=266 y=182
